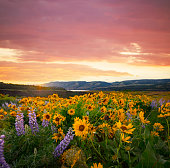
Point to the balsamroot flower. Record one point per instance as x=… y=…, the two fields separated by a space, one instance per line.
x=81 y=127
x=3 y=163
x=71 y=111
x=97 y=166
x=59 y=135
x=158 y=127
x=125 y=128
x=47 y=116
x=143 y=120
x=58 y=118
x=33 y=122
x=64 y=143
x=19 y=124
x=46 y=119
x=125 y=139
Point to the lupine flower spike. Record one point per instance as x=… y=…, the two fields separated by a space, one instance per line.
x=64 y=143
x=45 y=123
x=33 y=122
x=3 y=163
x=19 y=124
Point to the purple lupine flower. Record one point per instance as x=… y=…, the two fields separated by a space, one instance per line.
x=46 y=102
x=143 y=126
x=3 y=163
x=64 y=143
x=33 y=122
x=45 y=123
x=6 y=104
x=19 y=124
x=153 y=104
x=129 y=116
x=53 y=128
x=161 y=101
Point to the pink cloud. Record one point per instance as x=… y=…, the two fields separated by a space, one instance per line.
x=78 y=30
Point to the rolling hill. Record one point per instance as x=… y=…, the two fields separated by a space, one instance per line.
x=133 y=85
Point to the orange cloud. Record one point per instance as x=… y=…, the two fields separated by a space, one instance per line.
x=41 y=72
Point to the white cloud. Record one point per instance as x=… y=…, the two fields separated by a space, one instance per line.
x=7 y=54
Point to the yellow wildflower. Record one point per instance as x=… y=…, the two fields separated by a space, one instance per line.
x=125 y=139
x=71 y=111
x=81 y=128
x=114 y=157
x=13 y=113
x=1 y=117
x=103 y=127
x=103 y=109
x=154 y=133
x=89 y=107
x=58 y=118
x=47 y=116
x=86 y=118
x=158 y=127
x=127 y=148
x=97 y=166
x=60 y=135
x=141 y=116
x=125 y=128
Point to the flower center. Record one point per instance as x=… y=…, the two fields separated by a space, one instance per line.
x=86 y=118
x=89 y=107
x=47 y=116
x=81 y=127
x=59 y=135
x=123 y=128
x=106 y=117
x=57 y=119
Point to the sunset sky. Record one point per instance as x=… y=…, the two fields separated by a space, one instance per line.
x=89 y=40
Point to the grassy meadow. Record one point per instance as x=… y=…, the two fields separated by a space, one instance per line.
x=94 y=130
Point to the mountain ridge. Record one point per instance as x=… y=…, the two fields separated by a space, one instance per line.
x=142 y=84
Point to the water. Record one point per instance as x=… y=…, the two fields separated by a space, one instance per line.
x=78 y=90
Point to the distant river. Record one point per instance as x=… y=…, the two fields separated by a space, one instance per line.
x=78 y=90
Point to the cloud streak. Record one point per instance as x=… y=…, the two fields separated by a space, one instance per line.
x=42 y=72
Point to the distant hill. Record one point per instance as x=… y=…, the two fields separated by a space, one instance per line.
x=31 y=90
x=133 y=85
x=9 y=86
x=78 y=85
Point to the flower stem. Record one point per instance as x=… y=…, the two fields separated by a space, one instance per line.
x=129 y=160
x=99 y=119
x=168 y=134
x=118 y=151
x=96 y=150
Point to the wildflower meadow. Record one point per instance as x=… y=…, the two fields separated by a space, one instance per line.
x=95 y=130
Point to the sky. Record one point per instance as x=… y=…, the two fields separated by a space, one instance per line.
x=84 y=40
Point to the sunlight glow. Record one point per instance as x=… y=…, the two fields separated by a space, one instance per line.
x=7 y=54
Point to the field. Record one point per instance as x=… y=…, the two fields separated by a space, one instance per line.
x=94 y=130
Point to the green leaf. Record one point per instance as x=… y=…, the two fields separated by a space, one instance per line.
x=148 y=159
x=147 y=132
